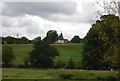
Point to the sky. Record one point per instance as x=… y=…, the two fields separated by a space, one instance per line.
x=32 y=19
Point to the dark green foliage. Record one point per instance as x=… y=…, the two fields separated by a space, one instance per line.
x=7 y=55
x=78 y=65
x=101 y=44
x=27 y=62
x=51 y=37
x=59 y=64
x=13 y=40
x=76 y=39
x=9 y=40
x=42 y=55
x=70 y=64
x=66 y=76
x=22 y=40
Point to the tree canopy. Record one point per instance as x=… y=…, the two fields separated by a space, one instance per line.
x=101 y=44
x=13 y=40
x=76 y=39
x=43 y=54
x=51 y=36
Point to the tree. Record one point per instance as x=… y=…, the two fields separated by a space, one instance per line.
x=9 y=40
x=7 y=55
x=51 y=37
x=112 y=54
x=24 y=40
x=43 y=54
x=105 y=7
x=76 y=39
x=108 y=7
x=101 y=44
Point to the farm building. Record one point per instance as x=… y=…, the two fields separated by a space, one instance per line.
x=61 y=39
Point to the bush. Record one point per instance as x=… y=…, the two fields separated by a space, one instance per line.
x=59 y=64
x=71 y=76
x=26 y=62
x=66 y=76
x=70 y=64
x=78 y=65
x=7 y=55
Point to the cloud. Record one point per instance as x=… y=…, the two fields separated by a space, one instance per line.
x=33 y=26
x=32 y=19
x=38 y=8
x=24 y=25
x=53 y=11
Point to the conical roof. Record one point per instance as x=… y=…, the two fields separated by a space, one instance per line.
x=60 y=37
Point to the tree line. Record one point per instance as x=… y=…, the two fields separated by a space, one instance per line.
x=50 y=38
x=13 y=40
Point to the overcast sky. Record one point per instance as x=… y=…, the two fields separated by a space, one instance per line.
x=32 y=19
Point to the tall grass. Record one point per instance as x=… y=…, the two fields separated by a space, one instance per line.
x=14 y=73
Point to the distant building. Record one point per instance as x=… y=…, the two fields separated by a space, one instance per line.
x=61 y=39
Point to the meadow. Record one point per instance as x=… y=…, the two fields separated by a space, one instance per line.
x=17 y=73
x=66 y=51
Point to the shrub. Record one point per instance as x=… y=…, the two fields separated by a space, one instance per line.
x=59 y=64
x=78 y=65
x=70 y=64
x=26 y=62
x=66 y=76
x=7 y=55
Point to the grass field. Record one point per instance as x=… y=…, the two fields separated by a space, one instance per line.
x=66 y=52
x=14 y=73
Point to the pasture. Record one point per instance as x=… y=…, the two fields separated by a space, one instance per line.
x=66 y=52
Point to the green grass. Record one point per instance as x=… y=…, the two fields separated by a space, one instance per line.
x=21 y=51
x=66 y=51
x=14 y=73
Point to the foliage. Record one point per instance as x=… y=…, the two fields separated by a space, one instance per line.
x=59 y=64
x=42 y=55
x=70 y=64
x=9 y=40
x=51 y=37
x=27 y=62
x=76 y=39
x=22 y=40
x=101 y=44
x=7 y=55
x=13 y=40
